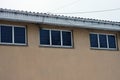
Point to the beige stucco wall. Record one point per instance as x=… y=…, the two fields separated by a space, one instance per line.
x=33 y=62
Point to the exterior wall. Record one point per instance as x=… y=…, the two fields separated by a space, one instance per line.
x=33 y=62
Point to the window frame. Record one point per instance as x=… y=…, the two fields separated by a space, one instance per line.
x=13 y=42
x=106 y=34
x=59 y=46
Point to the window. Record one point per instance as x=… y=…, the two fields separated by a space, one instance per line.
x=6 y=34
x=56 y=38
x=44 y=37
x=66 y=36
x=12 y=35
x=93 y=40
x=19 y=35
x=102 y=41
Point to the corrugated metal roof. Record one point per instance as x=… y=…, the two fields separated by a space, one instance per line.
x=60 y=16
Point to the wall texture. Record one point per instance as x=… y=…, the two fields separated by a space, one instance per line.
x=33 y=62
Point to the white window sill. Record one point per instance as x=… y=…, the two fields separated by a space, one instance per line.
x=110 y=49
x=55 y=46
x=13 y=44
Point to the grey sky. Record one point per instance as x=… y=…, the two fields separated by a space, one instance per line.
x=68 y=6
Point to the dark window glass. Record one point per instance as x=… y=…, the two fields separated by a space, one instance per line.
x=19 y=35
x=93 y=40
x=55 y=36
x=66 y=38
x=6 y=34
x=111 y=40
x=103 y=41
x=44 y=37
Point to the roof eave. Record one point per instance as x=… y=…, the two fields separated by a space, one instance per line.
x=57 y=21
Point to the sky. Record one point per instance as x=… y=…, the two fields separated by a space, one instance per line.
x=68 y=6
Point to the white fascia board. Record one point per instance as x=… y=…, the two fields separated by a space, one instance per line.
x=57 y=21
x=81 y=24
x=20 y=17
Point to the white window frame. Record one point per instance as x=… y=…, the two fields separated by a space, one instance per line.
x=50 y=45
x=13 y=43
x=106 y=34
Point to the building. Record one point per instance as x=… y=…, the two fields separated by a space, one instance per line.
x=40 y=46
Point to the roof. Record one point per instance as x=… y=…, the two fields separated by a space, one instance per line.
x=44 y=18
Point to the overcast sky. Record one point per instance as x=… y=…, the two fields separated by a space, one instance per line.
x=68 y=6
